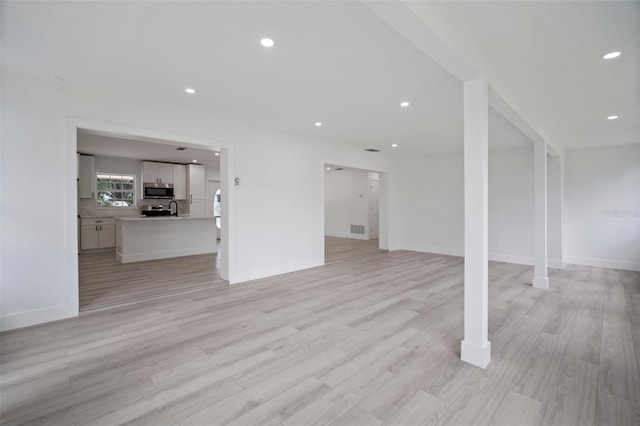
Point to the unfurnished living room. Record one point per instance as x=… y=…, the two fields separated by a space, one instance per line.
x=315 y=212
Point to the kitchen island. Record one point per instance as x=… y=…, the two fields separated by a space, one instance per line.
x=148 y=238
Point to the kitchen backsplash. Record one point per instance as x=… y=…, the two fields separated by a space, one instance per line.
x=88 y=208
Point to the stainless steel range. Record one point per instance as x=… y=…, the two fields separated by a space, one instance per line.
x=159 y=210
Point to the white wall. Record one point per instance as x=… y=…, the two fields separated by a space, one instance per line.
x=346 y=202
x=603 y=206
x=427 y=205
x=272 y=236
x=511 y=218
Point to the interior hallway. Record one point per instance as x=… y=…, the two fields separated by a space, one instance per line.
x=373 y=340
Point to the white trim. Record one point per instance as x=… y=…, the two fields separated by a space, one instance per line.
x=496 y=257
x=475 y=353
x=430 y=249
x=511 y=258
x=282 y=268
x=604 y=263
x=540 y=282
x=556 y=264
x=166 y=254
x=37 y=316
x=347 y=235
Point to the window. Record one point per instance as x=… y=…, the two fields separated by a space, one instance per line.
x=116 y=190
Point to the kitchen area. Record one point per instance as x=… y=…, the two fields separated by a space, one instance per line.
x=147 y=226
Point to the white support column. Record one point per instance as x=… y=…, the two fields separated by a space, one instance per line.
x=540 y=279
x=476 y=348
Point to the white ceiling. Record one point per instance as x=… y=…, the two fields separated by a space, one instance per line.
x=334 y=62
x=547 y=57
x=165 y=151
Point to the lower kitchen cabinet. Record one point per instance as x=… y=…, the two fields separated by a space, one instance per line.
x=97 y=233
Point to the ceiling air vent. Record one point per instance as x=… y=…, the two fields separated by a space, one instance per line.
x=180 y=149
x=339 y=168
x=372 y=150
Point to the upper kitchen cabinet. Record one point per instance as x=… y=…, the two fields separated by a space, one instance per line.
x=196 y=177
x=180 y=181
x=153 y=172
x=86 y=176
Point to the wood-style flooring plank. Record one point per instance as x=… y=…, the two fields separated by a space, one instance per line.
x=573 y=401
x=371 y=338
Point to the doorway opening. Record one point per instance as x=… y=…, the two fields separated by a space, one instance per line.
x=146 y=225
x=351 y=212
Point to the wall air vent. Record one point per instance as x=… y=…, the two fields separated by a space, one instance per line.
x=180 y=149
x=372 y=150
x=357 y=229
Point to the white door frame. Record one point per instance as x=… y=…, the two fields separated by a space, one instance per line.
x=227 y=171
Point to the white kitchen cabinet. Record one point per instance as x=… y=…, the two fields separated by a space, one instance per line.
x=196 y=184
x=86 y=176
x=97 y=233
x=180 y=181
x=153 y=172
x=197 y=207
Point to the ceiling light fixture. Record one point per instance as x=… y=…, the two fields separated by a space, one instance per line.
x=216 y=153
x=611 y=55
x=612 y=117
x=318 y=124
x=190 y=91
x=404 y=104
x=328 y=168
x=195 y=161
x=267 y=42
x=395 y=145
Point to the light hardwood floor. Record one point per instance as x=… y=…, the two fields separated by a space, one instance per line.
x=105 y=282
x=367 y=341
x=339 y=249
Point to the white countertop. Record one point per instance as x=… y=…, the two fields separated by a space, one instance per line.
x=152 y=218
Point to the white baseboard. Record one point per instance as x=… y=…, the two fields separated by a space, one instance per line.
x=431 y=249
x=556 y=264
x=511 y=258
x=497 y=257
x=346 y=235
x=475 y=354
x=282 y=268
x=37 y=316
x=139 y=257
x=604 y=263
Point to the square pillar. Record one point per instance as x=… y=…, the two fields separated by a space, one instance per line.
x=476 y=348
x=540 y=279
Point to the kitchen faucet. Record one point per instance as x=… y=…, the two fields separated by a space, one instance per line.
x=176 y=203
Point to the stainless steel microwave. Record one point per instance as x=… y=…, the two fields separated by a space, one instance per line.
x=157 y=190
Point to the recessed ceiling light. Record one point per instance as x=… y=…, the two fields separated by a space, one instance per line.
x=195 y=161
x=216 y=153
x=190 y=91
x=328 y=168
x=612 y=117
x=395 y=145
x=611 y=55
x=404 y=104
x=267 y=42
x=318 y=124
